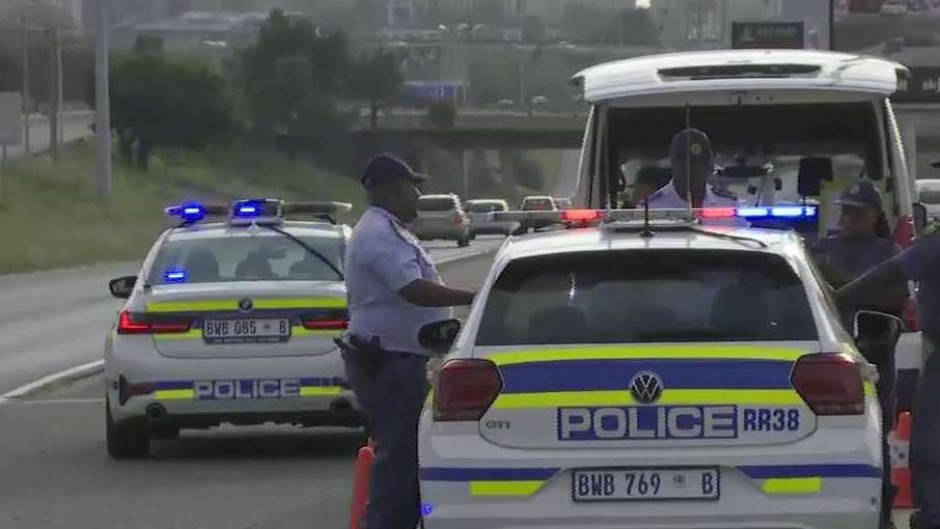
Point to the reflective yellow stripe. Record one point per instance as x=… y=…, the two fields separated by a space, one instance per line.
x=792 y=485
x=669 y=396
x=175 y=394
x=221 y=305
x=300 y=331
x=320 y=391
x=869 y=389
x=505 y=488
x=647 y=351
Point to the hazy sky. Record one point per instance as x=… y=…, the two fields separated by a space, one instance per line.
x=642 y=3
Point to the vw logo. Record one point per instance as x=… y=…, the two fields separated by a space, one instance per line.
x=245 y=305
x=646 y=387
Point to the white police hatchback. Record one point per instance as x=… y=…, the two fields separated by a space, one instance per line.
x=652 y=375
x=231 y=322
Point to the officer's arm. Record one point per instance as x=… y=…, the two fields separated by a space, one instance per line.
x=870 y=288
x=426 y=293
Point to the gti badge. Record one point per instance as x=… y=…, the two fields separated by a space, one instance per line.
x=646 y=387
x=245 y=305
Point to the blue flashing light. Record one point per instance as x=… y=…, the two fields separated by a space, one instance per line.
x=426 y=509
x=778 y=212
x=188 y=212
x=175 y=276
x=255 y=208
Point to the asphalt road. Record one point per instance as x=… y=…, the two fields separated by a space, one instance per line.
x=54 y=472
x=75 y=125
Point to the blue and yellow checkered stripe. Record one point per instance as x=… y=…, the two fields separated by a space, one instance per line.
x=772 y=479
x=231 y=305
x=309 y=387
x=691 y=375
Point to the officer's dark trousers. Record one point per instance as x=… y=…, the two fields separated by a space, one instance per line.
x=925 y=441
x=392 y=399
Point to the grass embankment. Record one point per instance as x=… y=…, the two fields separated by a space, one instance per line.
x=50 y=217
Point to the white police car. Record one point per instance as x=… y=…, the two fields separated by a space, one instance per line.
x=660 y=374
x=231 y=321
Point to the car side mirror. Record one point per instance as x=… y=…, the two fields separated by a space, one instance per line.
x=874 y=328
x=440 y=335
x=122 y=287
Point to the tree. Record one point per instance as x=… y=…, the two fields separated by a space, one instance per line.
x=442 y=115
x=292 y=77
x=375 y=77
x=158 y=102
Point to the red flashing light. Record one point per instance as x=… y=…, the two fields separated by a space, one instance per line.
x=580 y=215
x=719 y=213
x=904 y=231
x=129 y=323
x=325 y=320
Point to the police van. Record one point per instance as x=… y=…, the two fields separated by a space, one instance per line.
x=231 y=320
x=662 y=373
x=789 y=127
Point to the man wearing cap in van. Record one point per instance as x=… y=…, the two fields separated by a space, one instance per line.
x=692 y=165
x=394 y=290
x=921 y=263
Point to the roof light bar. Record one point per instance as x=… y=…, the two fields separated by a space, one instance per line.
x=193 y=211
x=656 y=215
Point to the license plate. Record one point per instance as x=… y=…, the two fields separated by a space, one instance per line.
x=246 y=331
x=648 y=484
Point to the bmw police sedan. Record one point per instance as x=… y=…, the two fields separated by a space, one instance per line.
x=657 y=374
x=230 y=321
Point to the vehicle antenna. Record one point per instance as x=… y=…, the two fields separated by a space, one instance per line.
x=688 y=160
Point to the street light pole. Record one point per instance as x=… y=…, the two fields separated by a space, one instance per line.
x=103 y=102
x=54 y=100
x=26 y=106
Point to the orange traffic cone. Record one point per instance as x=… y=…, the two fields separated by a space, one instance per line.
x=360 y=493
x=900 y=442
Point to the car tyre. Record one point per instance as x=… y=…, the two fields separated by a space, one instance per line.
x=129 y=440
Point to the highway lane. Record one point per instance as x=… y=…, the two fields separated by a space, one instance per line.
x=52 y=321
x=55 y=474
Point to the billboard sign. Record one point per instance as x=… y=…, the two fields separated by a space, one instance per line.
x=764 y=35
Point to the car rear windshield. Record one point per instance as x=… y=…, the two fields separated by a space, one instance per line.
x=486 y=207
x=930 y=196
x=435 y=204
x=538 y=204
x=245 y=257
x=646 y=296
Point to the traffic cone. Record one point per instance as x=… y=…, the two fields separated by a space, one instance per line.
x=360 y=493
x=900 y=442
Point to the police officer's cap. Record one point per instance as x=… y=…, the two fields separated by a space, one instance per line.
x=386 y=168
x=862 y=194
x=692 y=145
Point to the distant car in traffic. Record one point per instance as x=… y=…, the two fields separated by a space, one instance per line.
x=537 y=203
x=480 y=223
x=442 y=217
x=928 y=194
x=563 y=203
x=230 y=322
x=895 y=7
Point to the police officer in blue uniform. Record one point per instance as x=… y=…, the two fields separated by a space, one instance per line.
x=692 y=165
x=394 y=290
x=863 y=242
x=920 y=263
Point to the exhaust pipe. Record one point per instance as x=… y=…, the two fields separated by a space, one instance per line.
x=156 y=412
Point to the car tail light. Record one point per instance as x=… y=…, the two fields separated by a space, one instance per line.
x=135 y=323
x=904 y=232
x=465 y=389
x=325 y=320
x=910 y=316
x=718 y=213
x=126 y=390
x=830 y=383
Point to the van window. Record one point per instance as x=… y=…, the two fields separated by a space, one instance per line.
x=486 y=207
x=930 y=196
x=754 y=135
x=538 y=204
x=435 y=204
x=646 y=296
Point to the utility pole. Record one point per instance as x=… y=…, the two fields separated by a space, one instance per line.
x=26 y=107
x=103 y=102
x=54 y=95
x=60 y=80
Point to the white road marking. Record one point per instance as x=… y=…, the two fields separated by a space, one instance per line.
x=91 y=368
x=74 y=372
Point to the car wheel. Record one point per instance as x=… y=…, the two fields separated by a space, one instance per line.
x=128 y=440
